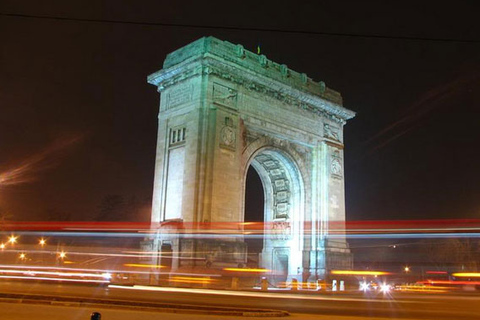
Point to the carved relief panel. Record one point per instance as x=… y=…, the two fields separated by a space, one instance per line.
x=225 y=96
x=336 y=168
x=331 y=132
x=228 y=134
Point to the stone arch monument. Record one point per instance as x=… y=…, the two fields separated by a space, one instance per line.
x=224 y=109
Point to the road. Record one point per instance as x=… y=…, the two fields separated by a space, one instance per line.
x=41 y=312
x=394 y=305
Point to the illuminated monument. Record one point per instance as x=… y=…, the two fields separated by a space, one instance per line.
x=224 y=109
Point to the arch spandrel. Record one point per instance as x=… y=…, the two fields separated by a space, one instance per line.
x=300 y=158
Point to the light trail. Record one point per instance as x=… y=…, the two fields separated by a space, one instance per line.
x=193 y=280
x=426 y=289
x=283 y=295
x=432 y=282
x=406 y=236
x=111 y=271
x=41 y=161
x=141 y=265
x=50 y=273
x=252 y=270
x=76 y=253
x=359 y=273
x=242 y=236
x=54 y=279
x=466 y=227
x=466 y=274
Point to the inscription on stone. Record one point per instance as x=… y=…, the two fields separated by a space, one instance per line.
x=280 y=184
x=269 y=164
x=276 y=172
x=179 y=95
x=282 y=207
x=282 y=196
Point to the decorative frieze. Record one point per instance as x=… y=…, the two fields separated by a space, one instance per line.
x=290 y=96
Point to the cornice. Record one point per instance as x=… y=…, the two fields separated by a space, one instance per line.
x=212 y=65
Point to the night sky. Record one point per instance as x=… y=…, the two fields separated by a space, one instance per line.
x=78 y=120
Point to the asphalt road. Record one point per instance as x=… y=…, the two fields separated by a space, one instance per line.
x=41 y=312
x=464 y=305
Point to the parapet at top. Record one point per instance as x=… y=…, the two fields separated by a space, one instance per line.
x=251 y=61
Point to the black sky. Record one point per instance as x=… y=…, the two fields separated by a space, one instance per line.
x=77 y=116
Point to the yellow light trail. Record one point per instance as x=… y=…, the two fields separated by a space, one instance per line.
x=192 y=280
x=466 y=274
x=246 y=270
x=139 y=265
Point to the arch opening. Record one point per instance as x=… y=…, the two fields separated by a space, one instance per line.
x=282 y=207
x=254 y=212
x=254 y=197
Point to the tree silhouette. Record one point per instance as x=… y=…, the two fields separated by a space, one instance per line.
x=456 y=253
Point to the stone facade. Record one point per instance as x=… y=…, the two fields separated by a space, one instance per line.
x=224 y=109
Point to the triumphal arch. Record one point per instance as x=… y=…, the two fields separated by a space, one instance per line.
x=224 y=109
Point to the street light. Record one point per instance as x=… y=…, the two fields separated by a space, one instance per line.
x=42 y=242
x=12 y=239
x=62 y=255
x=406 y=269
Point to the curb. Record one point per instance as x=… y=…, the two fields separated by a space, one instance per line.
x=141 y=306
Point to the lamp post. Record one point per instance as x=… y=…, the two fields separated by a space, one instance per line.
x=42 y=242
x=406 y=269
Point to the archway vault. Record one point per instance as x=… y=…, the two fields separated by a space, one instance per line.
x=284 y=210
x=282 y=184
